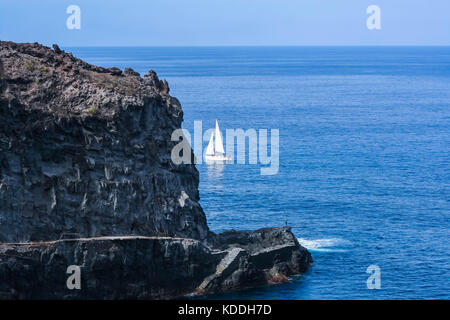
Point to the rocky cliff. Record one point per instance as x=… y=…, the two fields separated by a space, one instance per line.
x=86 y=179
x=86 y=151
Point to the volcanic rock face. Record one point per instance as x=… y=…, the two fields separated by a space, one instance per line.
x=85 y=151
x=85 y=169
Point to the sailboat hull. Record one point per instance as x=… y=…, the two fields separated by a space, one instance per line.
x=217 y=158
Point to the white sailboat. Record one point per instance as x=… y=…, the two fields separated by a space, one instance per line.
x=215 y=151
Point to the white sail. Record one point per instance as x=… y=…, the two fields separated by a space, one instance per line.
x=214 y=151
x=210 y=148
x=219 y=142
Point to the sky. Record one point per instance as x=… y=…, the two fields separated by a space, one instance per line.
x=226 y=22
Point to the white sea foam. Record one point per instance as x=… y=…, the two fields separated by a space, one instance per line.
x=325 y=245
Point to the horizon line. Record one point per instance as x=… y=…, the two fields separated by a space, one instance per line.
x=250 y=45
x=230 y=45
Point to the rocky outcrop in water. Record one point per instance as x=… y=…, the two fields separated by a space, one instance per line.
x=147 y=267
x=86 y=179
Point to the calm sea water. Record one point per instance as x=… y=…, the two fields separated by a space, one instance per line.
x=364 y=172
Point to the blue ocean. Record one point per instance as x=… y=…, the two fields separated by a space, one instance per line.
x=364 y=156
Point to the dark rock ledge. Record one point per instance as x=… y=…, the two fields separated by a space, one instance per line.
x=86 y=179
